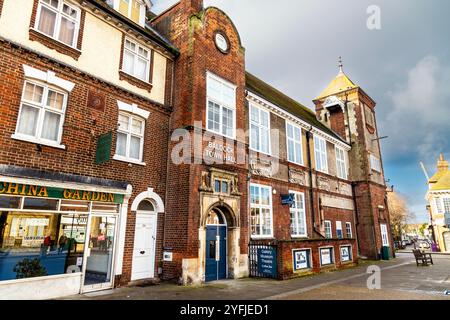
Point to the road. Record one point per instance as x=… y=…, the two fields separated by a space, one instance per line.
x=400 y=278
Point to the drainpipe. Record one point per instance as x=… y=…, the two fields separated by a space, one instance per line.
x=310 y=173
x=355 y=216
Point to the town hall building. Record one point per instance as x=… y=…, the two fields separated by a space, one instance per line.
x=136 y=147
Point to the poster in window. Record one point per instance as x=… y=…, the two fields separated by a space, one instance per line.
x=301 y=259
x=345 y=254
x=325 y=256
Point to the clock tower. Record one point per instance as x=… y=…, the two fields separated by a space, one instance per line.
x=350 y=112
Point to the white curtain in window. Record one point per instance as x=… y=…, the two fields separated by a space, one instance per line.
x=47 y=21
x=28 y=120
x=67 y=31
x=50 y=127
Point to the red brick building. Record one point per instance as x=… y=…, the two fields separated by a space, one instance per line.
x=135 y=150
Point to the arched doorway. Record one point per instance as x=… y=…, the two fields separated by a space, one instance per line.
x=216 y=246
x=146 y=205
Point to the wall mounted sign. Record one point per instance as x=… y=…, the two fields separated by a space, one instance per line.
x=167 y=256
x=267 y=262
x=287 y=199
x=219 y=152
x=18 y=189
x=345 y=253
x=103 y=152
x=301 y=259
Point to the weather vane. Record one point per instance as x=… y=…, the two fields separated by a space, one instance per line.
x=341 y=65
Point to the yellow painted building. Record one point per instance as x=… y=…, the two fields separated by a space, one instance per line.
x=438 y=196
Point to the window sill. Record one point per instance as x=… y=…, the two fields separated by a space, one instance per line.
x=129 y=160
x=54 y=44
x=135 y=81
x=262 y=237
x=299 y=237
x=38 y=141
x=221 y=134
x=262 y=152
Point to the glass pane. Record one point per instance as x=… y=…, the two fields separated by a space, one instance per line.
x=47 y=21
x=9 y=202
x=265 y=140
x=141 y=69
x=136 y=126
x=28 y=120
x=135 y=148
x=212 y=249
x=123 y=122
x=255 y=221
x=213 y=116
x=146 y=206
x=214 y=89
x=227 y=121
x=105 y=207
x=264 y=119
x=40 y=244
x=128 y=62
x=265 y=196
x=76 y=206
x=290 y=131
x=101 y=244
x=254 y=114
x=254 y=194
x=143 y=52
x=297 y=135
x=298 y=153
x=130 y=45
x=50 y=129
x=121 y=145
x=228 y=96
x=67 y=31
x=55 y=100
x=69 y=11
x=40 y=204
x=267 y=226
x=53 y=3
x=224 y=187
x=254 y=133
x=217 y=185
x=33 y=92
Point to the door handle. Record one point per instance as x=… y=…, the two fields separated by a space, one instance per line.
x=142 y=252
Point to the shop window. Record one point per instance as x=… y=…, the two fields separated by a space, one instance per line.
x=326 y=256
x=261 y=211
x=35 y=244
x=346 y=253
x=59 y=20
x=9 y=202
x=40 y=204
x=302 y=259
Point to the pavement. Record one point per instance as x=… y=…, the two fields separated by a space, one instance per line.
x=400 y=279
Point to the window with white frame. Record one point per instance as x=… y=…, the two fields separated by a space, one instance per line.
x=294 y=143
x=41 y=114
x=221 y=106
x=375 y=163
x=320 y=153
x=346 y=253
x=348 y=229
x=261 y=211
x=136 y=60
x=384 y=235
x=298 y=215
x=259 y=129
x=339 y=229
x=326 y=256
x=58 y=20
x=446 y=202
x=328 y=231
x=130 y=137
x=341 y=167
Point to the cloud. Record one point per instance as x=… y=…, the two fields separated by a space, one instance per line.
x=418 y=120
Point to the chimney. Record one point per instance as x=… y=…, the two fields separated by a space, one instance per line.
x=193 y=5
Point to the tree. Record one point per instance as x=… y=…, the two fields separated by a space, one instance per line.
x=398 y=213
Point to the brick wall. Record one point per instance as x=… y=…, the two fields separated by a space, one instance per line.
x=82 y=126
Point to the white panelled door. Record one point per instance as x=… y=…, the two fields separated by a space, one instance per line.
x=144 y=247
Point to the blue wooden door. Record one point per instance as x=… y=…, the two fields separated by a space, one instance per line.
x=216 y=253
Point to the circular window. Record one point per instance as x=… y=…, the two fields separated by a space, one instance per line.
x=222 y=42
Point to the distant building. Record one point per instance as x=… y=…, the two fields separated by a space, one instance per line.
x=438 y=196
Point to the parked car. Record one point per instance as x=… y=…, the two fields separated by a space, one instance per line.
x=399 y=245
x=424 y=244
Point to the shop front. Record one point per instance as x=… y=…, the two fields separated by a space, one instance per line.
x=57 y=239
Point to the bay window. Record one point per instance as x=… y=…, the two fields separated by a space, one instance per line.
x=261 y=211
x=58 y=20
x=294 y=143
x=320 y=153
x=136 y=60
x=259 y=129
x=298 y=215
x=221 y=106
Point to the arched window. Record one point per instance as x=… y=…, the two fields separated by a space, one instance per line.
x=146 y=205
